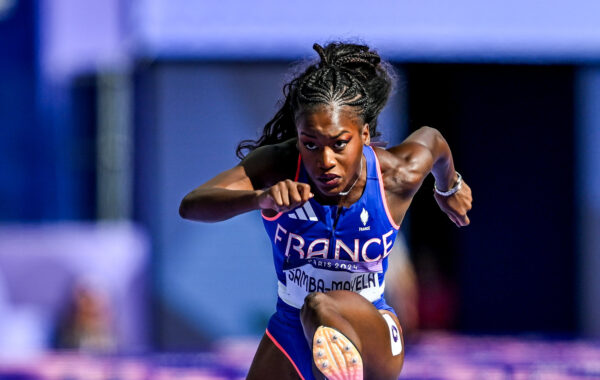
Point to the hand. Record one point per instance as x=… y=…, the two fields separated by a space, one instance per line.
x=456 y=205
x=284 y=196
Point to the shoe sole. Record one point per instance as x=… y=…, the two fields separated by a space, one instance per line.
x=335 y=355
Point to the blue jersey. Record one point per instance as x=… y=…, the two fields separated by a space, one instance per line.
x=321 y=248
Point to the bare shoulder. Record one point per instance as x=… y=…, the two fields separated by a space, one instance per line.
x=404 y=167
x=270 y=164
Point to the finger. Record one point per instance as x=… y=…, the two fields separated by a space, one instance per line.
x=305 y=191
x=276 y=195
x=453 y=218
x=285 y=195
x=462 y=219
x=458 y=219
x=295 y=197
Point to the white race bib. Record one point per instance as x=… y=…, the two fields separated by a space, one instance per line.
x=323 y=275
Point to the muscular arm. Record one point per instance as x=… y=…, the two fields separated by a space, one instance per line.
x=228 y=194
x=406 y=166
x=426 y=151
x=241 y=188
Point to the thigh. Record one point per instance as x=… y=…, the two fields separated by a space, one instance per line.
x=373 y=335
x=270 y=363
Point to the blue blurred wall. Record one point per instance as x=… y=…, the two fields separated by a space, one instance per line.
x=587 y=85
x=25 y=166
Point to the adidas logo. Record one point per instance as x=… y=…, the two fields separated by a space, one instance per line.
x=305 y=212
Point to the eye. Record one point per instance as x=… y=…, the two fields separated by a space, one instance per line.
x=340 y=144
x=310 y=145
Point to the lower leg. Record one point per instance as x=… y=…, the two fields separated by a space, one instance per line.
x=364 y=326
x=319 y=309
x=270 y=363
x=335 y=343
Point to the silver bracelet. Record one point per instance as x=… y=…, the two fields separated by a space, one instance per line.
x=453 y=190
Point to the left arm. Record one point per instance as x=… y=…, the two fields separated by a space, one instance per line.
x=406 y=166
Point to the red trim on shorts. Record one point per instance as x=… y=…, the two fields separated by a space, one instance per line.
x=382 y=191
x=285 y=353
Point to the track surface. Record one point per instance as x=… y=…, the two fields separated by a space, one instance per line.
x=434 y=356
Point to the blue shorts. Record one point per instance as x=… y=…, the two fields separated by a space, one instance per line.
x=285 y=331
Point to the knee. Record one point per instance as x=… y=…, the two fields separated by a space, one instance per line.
x=315 y=305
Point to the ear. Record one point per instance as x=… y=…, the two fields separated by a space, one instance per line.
x=366 y=135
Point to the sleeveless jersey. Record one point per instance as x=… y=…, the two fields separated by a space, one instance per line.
x=314 y=252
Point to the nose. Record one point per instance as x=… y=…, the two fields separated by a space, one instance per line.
x=327 y=159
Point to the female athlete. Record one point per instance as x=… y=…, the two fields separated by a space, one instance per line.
x=332 y=205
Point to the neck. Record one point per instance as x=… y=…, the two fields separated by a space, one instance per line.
x=344 y=193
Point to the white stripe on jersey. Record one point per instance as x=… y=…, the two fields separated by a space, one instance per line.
x=301 y=214
x=310 y=212
x=305 y=212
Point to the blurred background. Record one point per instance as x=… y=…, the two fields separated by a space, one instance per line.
x=111 y=111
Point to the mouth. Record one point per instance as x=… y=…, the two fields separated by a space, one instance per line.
x=329 y=181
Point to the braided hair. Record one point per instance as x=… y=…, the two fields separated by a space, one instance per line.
x=347 y=75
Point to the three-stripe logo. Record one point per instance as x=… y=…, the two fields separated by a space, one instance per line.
x=305 y=212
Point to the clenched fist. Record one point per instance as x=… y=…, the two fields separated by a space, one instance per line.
x=284 y=196
x=456 y=205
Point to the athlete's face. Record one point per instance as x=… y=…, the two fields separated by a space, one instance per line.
x=330 y=140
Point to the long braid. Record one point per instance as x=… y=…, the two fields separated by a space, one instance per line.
x=347 y=75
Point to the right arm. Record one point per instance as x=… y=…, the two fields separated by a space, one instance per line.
x=260 y=181
x=228 y=194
